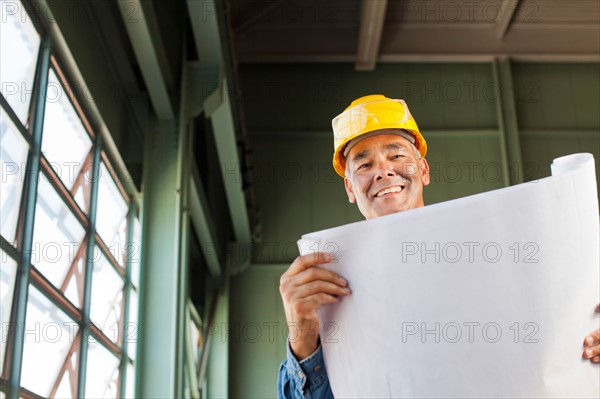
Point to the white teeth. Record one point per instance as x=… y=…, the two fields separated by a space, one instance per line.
x=395 y=189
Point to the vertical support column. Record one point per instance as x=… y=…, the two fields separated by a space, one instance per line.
x=507 y=120
x=184 y=175
x=159 y=328
x=511 y=126
x=501 y=128
x=89 y=268
x=26 y=240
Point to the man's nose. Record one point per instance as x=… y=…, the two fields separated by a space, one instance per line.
x=384 y=170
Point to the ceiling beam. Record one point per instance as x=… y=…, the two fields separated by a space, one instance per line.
x=205 y=29
x=141 y=37
x=507 y=12
x=203 y=223
x=369 y=37
x=417 y=42
x=401 y=58
x=261 y=14
x=217 y=107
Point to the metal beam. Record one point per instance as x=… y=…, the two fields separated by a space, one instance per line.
x=388 y=58
x=261 y=14
x=159 y=280
x=30 y=186
x=163 y=285
x=203 y=224
x=418 y=42
x=508 y=114
x=507 y=12
x=203 y=75
x=369 y=37
x=205 y=30
x=218 y=108
x=126 y=301
x=501 y=128
x=90 y=259
x=140 y=35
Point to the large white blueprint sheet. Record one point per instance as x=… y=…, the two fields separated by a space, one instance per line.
x=490 y=295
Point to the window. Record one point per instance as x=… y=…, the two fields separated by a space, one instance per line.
x=19 y=48
x=13 y=156
x=61 y=198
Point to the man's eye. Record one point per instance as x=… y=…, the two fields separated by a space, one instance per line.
x=397 y=156
x=362 y=166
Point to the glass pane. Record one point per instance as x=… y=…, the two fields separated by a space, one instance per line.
x=19 y=46
x=136 y=253
x=83 y=191
x=8 y=272
x=132 y=328
x=111 y=221
x=49 y=334
x=107 y=295
x=13 y=156
x=57 y=234
x=74 y=289
x=65 y=142
x=195 y=337
x=102 y=372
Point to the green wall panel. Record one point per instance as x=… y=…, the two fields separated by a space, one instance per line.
x=557 y=96
x=307 y=97
x=257 y=333
x=539 y=148
x=298 y=192
x=463 y=164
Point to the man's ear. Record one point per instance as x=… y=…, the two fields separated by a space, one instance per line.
x=349 y=191
x=425 y=178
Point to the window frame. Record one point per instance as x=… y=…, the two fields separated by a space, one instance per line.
x=27 y=275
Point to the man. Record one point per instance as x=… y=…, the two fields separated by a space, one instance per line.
x=379 y=151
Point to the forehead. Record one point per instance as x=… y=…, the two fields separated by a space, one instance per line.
x=378 y=143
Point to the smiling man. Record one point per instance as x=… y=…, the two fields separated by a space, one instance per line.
x=380 y=153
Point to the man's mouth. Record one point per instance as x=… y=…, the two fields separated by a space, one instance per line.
x=389 y=190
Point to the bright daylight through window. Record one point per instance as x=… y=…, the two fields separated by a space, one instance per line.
x=70 y=234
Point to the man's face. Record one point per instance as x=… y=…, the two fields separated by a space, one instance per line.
x=384 y=175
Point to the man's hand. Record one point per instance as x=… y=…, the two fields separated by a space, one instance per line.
x=304 y=287
x=591 y=344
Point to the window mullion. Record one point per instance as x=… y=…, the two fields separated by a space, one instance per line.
x=89 y=264
x=126 y=299
x=26 y=239
x=15 y=119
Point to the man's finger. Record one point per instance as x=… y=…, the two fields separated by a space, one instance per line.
x=318 y=273
x=322 y=299
x=593 y=338
x=316 y=287
x=591 y=352
x=309 y=260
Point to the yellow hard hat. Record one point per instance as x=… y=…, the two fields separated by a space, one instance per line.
x=367 y=114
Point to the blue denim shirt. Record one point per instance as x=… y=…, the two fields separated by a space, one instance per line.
x=303 y=379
